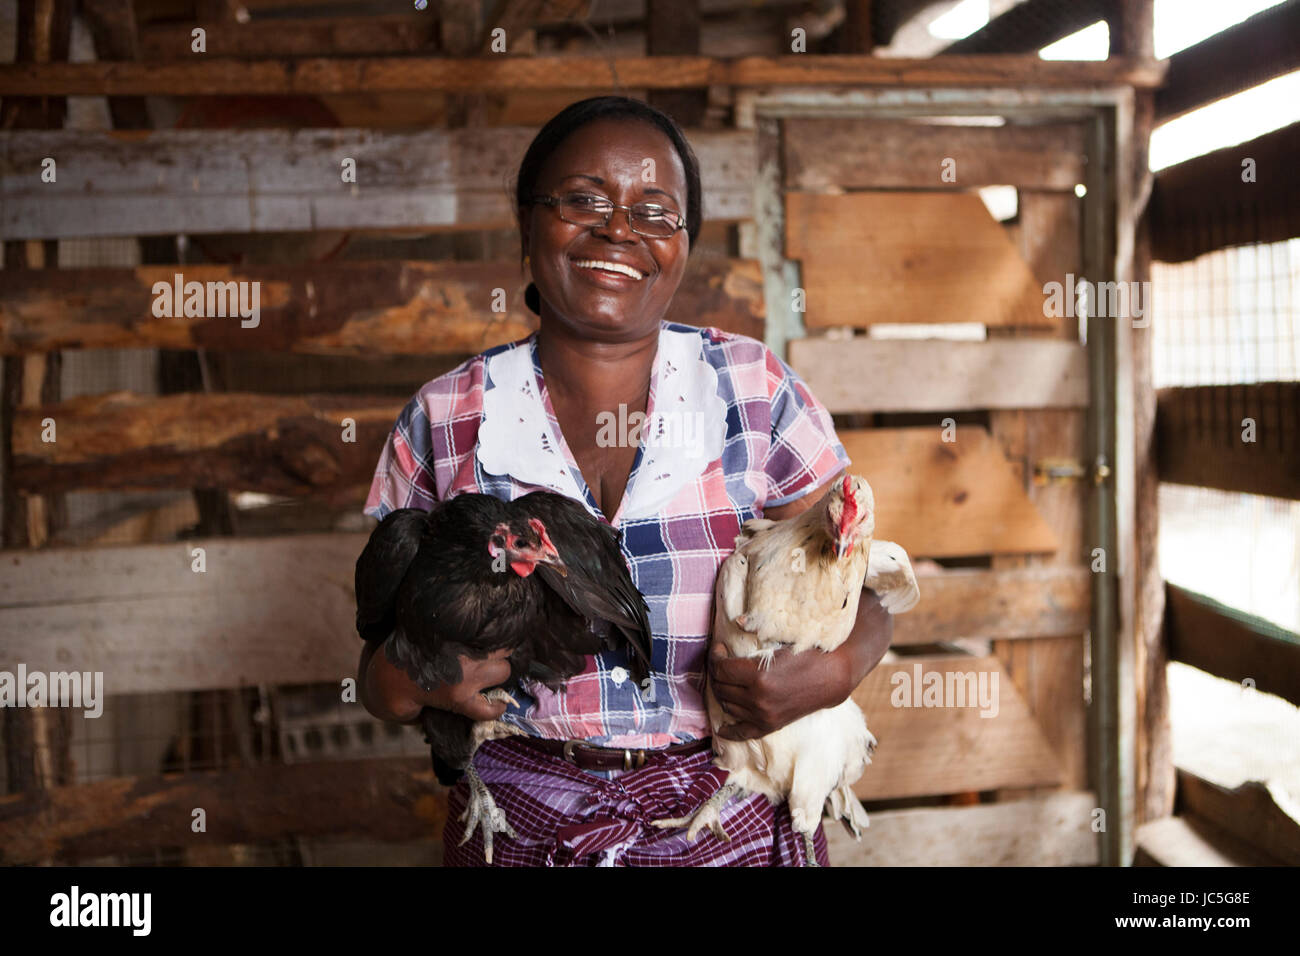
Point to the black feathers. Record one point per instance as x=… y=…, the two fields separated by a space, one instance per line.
x=538 y=576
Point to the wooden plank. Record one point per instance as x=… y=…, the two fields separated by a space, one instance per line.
x=224 y=76
x=1051 y=830
x=1256 y=813
x=376 y=308
x=1187 y=841
x=265 y=611
x=391 y=799
x=946 y=499
x=882 y=257
x=203 y=181
x=115 y=609
x=283 y=445
x=949 y=749
x=883 y=375
x=1036 y=602
x=892 y=154
x=1204 y=204
x=1232 y=644
x=379 y=35
x=1244 y=55
x=1200 y=432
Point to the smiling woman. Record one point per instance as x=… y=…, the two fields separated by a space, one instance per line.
x=609 y=204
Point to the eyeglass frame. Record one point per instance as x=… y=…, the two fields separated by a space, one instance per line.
x=555 y=202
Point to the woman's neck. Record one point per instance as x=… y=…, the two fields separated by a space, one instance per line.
x=595 y=373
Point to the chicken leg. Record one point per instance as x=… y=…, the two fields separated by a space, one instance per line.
x=482 y=811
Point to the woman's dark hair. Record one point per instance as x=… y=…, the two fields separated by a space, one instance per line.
x=577 y=115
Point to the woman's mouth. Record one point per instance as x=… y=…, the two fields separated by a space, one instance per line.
x=606 y=271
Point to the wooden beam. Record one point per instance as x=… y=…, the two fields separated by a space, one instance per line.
x=1190 y=841
x=1050 y=830
x=382 y=35
x=281 y=445
x=116 y=610
x=1256 y=813
x=1025 y=603
x=204 y=181
x=892 y=375
x=1208 y=203
x=217 y=76
x=1232 y=644
x=1201 y=435
x=873 y=258
x=1029 y=26
x=377 y=308
x=895 y=154
x=949 y=749
x=390 y=799
x=1244 y=55
x=946 y=499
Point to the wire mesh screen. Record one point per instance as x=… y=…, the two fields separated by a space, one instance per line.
x=1225 y=318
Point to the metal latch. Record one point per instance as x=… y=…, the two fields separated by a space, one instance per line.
x=1054 y=470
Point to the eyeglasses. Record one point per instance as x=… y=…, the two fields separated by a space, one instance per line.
x=645 y=218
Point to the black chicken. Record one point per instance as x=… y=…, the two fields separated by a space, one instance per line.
x=538 y=576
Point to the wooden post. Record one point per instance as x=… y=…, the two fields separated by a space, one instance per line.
x=1132 y=36
x=672 y=27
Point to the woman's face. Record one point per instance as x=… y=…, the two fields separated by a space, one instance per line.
x=625 y=161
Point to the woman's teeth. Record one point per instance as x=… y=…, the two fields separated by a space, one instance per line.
x=608 y=267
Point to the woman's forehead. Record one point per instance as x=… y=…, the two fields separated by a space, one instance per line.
x=618 y=149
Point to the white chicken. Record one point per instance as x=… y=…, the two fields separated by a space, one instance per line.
x=796 y=583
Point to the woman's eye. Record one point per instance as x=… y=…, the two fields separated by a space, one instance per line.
x=584 y=199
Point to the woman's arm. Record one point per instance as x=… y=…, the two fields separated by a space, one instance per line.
x=389 y=694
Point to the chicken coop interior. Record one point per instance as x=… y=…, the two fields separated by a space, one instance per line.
x=1032 y=256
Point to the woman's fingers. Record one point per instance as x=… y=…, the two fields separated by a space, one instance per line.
x=479 y=707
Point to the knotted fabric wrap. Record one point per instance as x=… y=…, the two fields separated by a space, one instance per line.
x=565 y=816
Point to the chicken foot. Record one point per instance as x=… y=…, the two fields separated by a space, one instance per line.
x=482 y=811
x=709 y=815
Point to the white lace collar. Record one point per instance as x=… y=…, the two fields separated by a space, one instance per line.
x=515 y=436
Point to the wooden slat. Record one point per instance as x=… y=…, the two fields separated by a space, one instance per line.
x=265 y=611
x=1190 y=841
x=1244 y=55
x=885 y=154
x=1052 y=830
x=214 y=76
x=946 y=499
x=880 y=375
x=389 y=799
x=1204 y=204
x=1258 y=814
x=1039 y=602
x=334 y=308
x=283 y=445
x=116 y=610
x=382 y=35
x=928 y=750
x=204 y=181
x=885 y=257
x=1231 y=644
x=1199 y=432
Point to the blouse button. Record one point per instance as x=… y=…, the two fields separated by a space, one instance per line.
x=618 y=675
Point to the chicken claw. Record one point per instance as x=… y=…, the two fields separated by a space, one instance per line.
x=709 y=815
x=483 y=812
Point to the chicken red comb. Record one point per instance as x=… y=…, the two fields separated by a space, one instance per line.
x=850 y=512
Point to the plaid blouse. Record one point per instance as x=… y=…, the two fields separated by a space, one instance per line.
x=730 y=429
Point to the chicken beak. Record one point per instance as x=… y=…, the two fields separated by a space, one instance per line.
x=552 y=559
x=843 y=543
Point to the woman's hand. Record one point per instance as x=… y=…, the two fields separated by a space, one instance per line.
x=389 y=694
x=760 y=701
